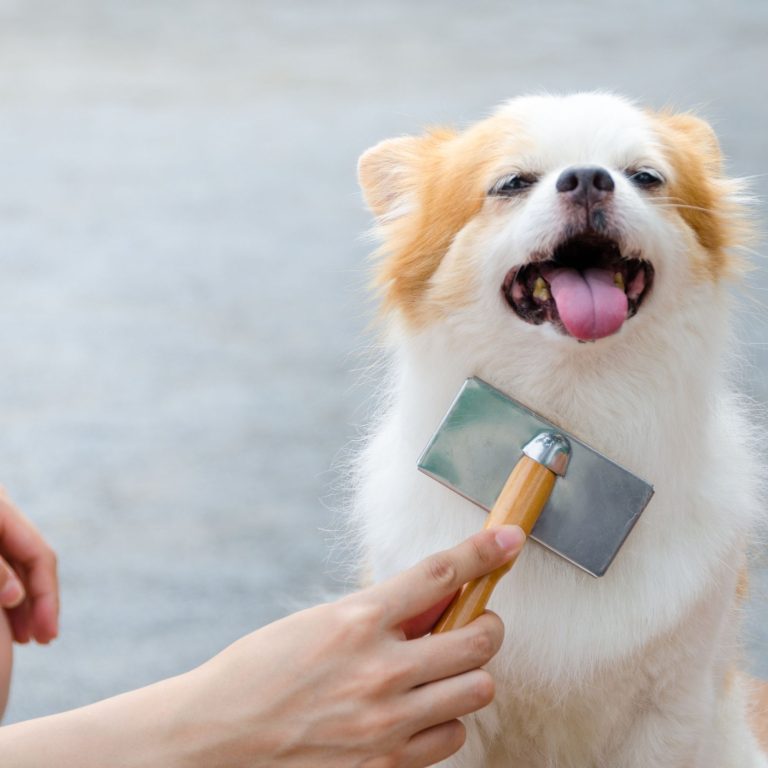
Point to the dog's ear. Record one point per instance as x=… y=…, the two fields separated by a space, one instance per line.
x=695 y=136
x=709 y=202
x=386 y=173
x=391 y=172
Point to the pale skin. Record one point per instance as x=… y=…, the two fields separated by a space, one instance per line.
x=29 y=588
x=357 y=683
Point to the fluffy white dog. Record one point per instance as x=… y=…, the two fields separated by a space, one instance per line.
x=575 y=253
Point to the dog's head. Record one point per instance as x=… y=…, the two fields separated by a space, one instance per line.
x=558 y=218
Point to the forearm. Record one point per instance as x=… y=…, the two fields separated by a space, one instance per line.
x=135 y=730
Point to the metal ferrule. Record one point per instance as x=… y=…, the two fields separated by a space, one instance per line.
x=550 y=449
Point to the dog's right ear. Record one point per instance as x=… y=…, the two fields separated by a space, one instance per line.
x=387 y=174
x=392 y=172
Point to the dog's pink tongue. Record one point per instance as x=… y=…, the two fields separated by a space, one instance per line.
x=590 y=305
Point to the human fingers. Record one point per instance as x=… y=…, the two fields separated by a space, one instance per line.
x=20 y=620
x=21 y=543
x=419 y=588
x=42 y=583
x=11 y=589
x=451 y=653
x=434 y=744
x=423 y=623
x=45 y=618
x=447 y=699
x=426 y=748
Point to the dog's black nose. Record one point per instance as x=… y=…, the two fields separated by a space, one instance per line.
x=585 y=185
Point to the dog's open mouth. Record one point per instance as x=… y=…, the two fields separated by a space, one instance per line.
x=587 y=289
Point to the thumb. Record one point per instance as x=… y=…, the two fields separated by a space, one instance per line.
x=431 y=581
x=11 y=588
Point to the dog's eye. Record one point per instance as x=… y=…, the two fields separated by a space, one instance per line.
x=512 y=184
x=645 y=177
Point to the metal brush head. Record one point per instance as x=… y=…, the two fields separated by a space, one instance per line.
x=593 y=507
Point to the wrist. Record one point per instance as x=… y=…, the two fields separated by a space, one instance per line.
x=169 y=730
x=204 y=731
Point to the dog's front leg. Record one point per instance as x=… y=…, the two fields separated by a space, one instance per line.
x=705 y=725
x=657 y=738
x=703 y=730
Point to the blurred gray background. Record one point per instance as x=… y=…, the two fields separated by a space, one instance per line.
x=182 y=302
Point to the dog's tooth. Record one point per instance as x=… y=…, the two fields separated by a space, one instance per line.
x=540 y=290
x=618 y=280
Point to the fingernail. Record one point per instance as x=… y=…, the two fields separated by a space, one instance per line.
x=510 y=537
x=12 y=593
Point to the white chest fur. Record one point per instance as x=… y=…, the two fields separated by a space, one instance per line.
x=581 y=655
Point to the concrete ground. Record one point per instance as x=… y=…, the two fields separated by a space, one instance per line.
x=183 y=307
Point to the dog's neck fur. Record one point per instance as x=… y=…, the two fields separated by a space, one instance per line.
x=641 y=400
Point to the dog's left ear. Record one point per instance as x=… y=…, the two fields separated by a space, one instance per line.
x=708 y=201
x=694 y=135
x=390 y=172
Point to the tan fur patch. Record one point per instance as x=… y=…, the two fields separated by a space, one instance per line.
x=757 y=701
x=702 y=195
x=439 y=182
x=759 y=711
x=452 y=284
x=742 y=586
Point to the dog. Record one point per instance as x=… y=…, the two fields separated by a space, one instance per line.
x=576 y=252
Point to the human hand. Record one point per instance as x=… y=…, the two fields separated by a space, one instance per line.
x=351 y=683
x=29 y=587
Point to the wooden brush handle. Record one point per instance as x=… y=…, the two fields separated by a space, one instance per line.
x=520 y=503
